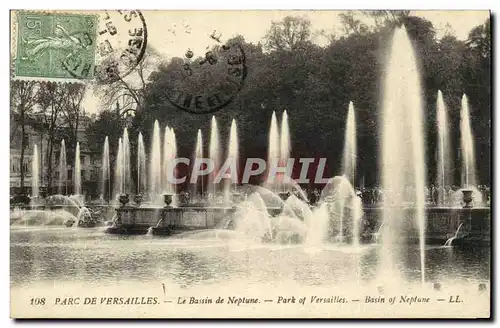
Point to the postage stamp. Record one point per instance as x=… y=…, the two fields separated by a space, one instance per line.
x=101 y=46
x=55 y=45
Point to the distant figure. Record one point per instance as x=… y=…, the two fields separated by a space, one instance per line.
x=313 y=198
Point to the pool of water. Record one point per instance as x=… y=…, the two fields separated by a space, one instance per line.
x=90 y=256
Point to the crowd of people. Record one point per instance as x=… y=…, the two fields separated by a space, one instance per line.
x=445 y=196
x=439 y=195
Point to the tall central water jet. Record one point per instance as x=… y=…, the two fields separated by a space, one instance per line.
x=118 y=183
x=350 y=151
x=155 y=165
x=166 y=159
x=214 y=154
x=126 y=176
x=274 y=146
x=444 y=147
x=78 y=171
x=402 y=152
x=141 y=165
x=63 y=171
x=467 y=141
x=105 y=172
x=232 y=157
x=198 y=155
x=35 y=172
x=173 y=149
x=349 y=165
x=169 y=154
x=284 y=143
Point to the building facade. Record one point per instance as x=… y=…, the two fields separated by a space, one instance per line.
x=90 y=161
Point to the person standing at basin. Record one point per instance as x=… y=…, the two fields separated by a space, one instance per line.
x=441 y=195
x=427 y=194
x=433 y=193
x=451 y=193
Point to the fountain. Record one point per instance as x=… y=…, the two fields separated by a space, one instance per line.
x=214 y=154
x=338 y=217
x=155 y=174
x=118 y=182
x=78 y=171
x=449 y=242
x=273 y=150
x=469 y=181
x=166 y=159
x=402 y=134
x=169 y=154
x=141 y=166
x=63 y=171
x=340 y=202
x=35 y=173
x=444 y=147
x=349 y=161
x=198 y=156
x=232 y=157
x=467 y=143
x=349 y=154
x=272 y=234
x=105 y=172
x=284 y=145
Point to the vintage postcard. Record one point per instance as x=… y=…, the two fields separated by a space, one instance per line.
x=250 y=164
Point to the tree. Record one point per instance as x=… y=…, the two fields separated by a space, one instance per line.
x=387 y=18
x=23 y=96
x=351 y=24
x=290 y=34
x=52 y=98
x=73 y=111
x=479 y=39
x=129 y=91
x=477 y=76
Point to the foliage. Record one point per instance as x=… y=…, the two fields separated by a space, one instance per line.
x=315 y=84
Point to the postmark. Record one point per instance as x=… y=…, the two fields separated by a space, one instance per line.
x=205 y=83
x=122 y=36
x=103 y=46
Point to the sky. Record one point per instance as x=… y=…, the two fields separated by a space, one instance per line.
x=172 y=33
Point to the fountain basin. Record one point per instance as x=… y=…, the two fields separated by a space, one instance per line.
x=441 y=222
x=170 y=220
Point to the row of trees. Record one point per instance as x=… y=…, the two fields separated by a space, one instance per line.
x=52 y=110
x=287 y=70
x=315 y=84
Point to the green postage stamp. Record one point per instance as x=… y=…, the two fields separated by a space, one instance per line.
x=55 y=45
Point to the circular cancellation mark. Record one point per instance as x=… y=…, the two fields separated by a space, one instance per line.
x=208 y=83
x=121 y=44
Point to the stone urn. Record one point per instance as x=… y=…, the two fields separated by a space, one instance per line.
x=43 y=192
x=236 y=197
x=284 y=195
x=467 y=198
x=123 y=199
x=138 y=199
x=167 y=198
